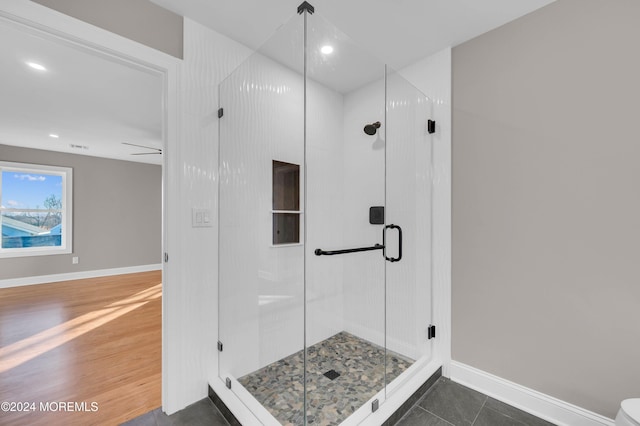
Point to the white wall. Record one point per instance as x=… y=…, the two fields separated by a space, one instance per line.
x=191 y=321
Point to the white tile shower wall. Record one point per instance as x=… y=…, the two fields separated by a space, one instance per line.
x=324 y=214
x=363 y=165
x=409 y=173
x=408 y=186
x=192 y=356
x=261 y=287
x=432 y=75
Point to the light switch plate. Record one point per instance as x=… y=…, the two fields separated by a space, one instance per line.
x=201 y=218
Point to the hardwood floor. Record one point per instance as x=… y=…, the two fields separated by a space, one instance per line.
x=85 y=341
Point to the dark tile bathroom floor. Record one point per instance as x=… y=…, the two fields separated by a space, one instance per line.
x=446 y=403
x=201 y=413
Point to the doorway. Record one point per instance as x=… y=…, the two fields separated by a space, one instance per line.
x=103 y=136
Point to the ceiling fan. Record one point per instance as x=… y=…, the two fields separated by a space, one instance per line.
x=154 y=150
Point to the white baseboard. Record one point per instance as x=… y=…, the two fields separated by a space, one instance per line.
x=544 y=406
x=42 y=279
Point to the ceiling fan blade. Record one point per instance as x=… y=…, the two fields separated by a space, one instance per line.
x=142 y=146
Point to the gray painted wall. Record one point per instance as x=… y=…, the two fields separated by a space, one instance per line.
x=138 y=20
x=546 y=202
x=117 y=214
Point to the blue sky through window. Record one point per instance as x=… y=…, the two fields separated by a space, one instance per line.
x=27 y=190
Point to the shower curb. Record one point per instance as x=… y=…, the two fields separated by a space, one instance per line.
x=392 y=420
x=413 y=399
x=222 y=407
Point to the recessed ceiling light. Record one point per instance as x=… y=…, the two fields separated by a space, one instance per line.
x=36 y=66
x=53 y=135
x=326 y=49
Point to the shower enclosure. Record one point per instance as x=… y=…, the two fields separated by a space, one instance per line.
x=324 y=228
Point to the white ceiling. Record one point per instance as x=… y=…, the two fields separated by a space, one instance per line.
x=96 y=102
x=347 y=68
x=87 y=99
x=398 y=32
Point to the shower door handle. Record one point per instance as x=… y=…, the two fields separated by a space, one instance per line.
x=384 y=243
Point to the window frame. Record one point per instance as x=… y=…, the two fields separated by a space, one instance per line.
x=66 y=243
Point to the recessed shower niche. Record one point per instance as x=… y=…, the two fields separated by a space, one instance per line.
x=323 y=313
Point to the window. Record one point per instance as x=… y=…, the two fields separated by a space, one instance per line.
x=35 y=209
x=286 y=203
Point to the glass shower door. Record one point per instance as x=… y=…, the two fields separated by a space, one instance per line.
x=409 y=218
x=368 y=230
x=344 y=263
x=324 y=228
x=261 y=228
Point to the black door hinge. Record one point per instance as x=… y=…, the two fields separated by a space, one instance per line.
x=431 y=331
x=431 y=126
x=219 y=346
x=305 y=6
x=220 y=112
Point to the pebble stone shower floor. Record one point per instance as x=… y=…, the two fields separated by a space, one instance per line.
x=361 y=369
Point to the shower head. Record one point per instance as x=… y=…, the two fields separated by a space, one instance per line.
x=372 y=128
